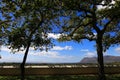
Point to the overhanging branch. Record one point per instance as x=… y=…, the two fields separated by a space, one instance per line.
x=94 y=17
x=84 y=10
x=85 y=37
x=79 y=27
x=2 y=22
x=106 y=25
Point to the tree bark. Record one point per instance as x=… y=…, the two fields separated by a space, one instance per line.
x=100 y=58
x=22 y=66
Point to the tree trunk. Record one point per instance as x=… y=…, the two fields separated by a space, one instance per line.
x=23 y=63
x=100 y=58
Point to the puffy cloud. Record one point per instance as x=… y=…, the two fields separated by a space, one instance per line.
x=62 y=48
x=103 y=7
x=44 y=53
x=54 y=36
x=44 y=56
x=53 y=53
x=49 y=54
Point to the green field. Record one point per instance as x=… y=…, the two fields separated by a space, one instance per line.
x=109 y=77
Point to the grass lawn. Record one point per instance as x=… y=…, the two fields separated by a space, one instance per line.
x=77 y=77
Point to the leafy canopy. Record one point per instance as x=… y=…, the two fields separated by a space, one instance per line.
x=89 y=21
x=31 y=23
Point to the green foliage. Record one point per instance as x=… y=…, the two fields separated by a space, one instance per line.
x=94 y=23
x=86 y=21
x=5 y=20
x=31 y=21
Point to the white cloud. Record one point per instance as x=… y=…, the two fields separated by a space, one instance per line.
x=84 y=50
x=32 y=48
x=54 y=36
x=117 y=49
x=113 y=2
x=103 y=7
x=62 y=48
x=90 y=54
x=6 y=49
x=44 y=53
x=49 y=54
x=11 y=58
x=36 y=56
x=53 y=53
x=3 y=48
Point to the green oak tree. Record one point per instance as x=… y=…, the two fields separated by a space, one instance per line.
x=94 y=20
x=31 y=24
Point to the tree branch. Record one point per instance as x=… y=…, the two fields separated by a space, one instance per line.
x=106 y=25
x=86 y=37
x=18 y=4
x=94 y=17
x=78 y=28
x=2 y=22
x=85 y=10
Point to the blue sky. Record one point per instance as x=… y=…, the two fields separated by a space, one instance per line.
x=63 y=52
